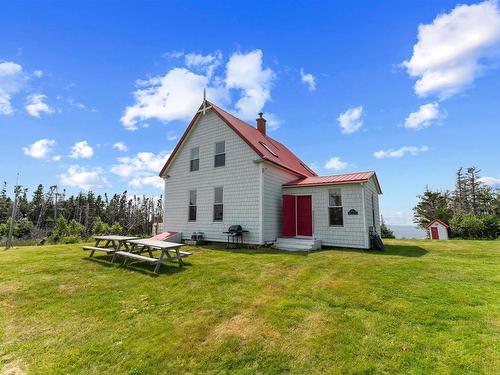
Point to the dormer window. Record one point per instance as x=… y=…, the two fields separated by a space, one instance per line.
x=220 y=154
x=194 y=163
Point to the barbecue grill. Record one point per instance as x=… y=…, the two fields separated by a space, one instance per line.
x=235 y=236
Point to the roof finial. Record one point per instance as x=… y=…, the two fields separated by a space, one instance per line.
x=204 y=94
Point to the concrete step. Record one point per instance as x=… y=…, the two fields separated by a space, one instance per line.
x=297 y=244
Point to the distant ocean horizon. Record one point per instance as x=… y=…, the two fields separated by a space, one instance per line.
x=408 y=231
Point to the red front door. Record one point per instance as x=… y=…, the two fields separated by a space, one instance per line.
x=289 y=216
x=304 y=215
x=434 y=233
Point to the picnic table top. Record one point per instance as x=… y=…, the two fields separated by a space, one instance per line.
x=115 y=238
x=155 y=243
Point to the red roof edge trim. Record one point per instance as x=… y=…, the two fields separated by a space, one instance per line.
x=437 y=221
x=266 y=159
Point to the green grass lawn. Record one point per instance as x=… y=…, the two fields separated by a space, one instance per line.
x=419 y=307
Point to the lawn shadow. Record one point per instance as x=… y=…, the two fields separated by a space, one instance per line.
x=167 y=268
x=409 y=251
x=257 y=251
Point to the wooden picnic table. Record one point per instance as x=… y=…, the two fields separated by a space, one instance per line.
x=137 y=246
x=112 y=244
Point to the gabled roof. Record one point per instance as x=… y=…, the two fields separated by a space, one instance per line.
x=438 y=221
x=346 y=178
x=266 y=147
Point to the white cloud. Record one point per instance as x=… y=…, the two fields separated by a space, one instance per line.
x=141 y=164
x=56 y=157
x=120 y=146
x=336 y=163
x=141 y=169
x=154 y=181
x=308 y=79
x=493 y=182
x=72 y=102
x=77 y=176
x=81 y=150
x=12 y=79
x=351 y=120
x=400 y=152
x=171 y=136
x=177 y=94
x=40 y=149
x=35 y=105
x=38 y=73
x=207 y=63
x=245 y=72
x=174 y=96
x=272 y=121
x=424 y=117
x=451 y=51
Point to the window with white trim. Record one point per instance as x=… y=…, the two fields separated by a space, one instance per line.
x=220 y=154
x=194 y=163
x=192 y=205
x=218 y=204
x=335 y=209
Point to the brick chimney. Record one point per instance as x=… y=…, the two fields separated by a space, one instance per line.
x=261 y=124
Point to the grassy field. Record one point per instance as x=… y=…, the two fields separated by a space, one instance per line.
x=419 y=307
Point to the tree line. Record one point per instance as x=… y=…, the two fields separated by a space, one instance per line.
x=472 y=209
x=50 y=214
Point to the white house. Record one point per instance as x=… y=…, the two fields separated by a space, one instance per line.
x=438 y=230
x=224 y=171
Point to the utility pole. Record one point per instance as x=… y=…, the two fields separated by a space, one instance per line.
x=13 y=218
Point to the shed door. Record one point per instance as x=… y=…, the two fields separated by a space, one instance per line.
x=289 y=216
x=304 y=215
x=434 y=233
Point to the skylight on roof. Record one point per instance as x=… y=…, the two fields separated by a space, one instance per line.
x=268 y=148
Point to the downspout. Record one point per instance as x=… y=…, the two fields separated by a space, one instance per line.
x=261 y=203
x=365 y=229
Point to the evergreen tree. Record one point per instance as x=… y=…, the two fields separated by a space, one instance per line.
x=432 y=205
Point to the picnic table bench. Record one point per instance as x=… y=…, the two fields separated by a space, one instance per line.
x=170 y=252
x=112 y=245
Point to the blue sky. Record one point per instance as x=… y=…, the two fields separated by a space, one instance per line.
x=96 y=94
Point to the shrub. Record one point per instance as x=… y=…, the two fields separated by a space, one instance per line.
x=22 y=228
x=100 y=227
x=491 y=226
x=466 y=226
x=386 y=232
x=71 y=239
x=116 y=228
x=4 y=229
x=60 y=230
x=75 y=228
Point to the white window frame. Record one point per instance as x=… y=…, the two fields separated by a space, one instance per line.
x=218 y=204
x=191 y=160
x=218 y=154
x=195 y=205
x=335 y=206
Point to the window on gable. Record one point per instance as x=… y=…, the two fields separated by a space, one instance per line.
x=335 y=210
x=218 y=204
x=194 y=163
x=192 y=205
x=220 y=154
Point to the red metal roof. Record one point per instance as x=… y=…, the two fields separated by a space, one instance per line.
x=438 y=221
x=335 y=179
x=266 y=147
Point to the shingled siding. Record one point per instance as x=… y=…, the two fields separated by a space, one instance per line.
x=353 y=233
x=239 y=177
x=273 y=179
x=370 y=189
